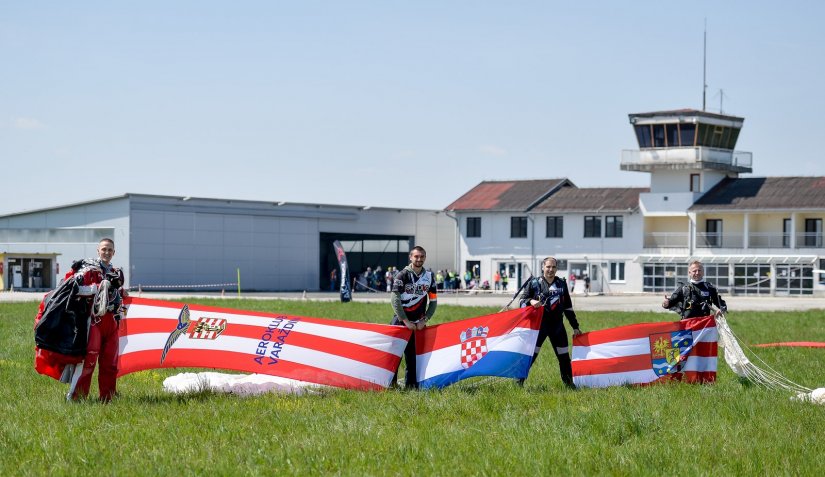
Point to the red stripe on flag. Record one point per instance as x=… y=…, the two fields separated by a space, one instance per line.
x=141 y=360
x=641 y=330
x=639 y=362
x=448 y=334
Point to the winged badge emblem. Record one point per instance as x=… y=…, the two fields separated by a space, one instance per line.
x=183 y=325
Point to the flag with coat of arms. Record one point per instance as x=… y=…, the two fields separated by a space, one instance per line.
x=500 y=344
x=645 y=353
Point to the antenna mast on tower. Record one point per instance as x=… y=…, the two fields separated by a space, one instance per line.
x=705 y=68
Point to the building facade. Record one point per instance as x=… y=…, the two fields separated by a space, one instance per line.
x=755 y=235
x=188 y=243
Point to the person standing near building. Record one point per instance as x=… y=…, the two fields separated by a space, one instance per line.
x=551 y=292
x=586 y=284
x=697 y=297
x=333 y=279
x=572 y=281
x=504 y=280
x=496 y=280
x=414 y=299
x=95 y=278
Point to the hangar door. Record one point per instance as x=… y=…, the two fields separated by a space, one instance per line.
x=363 y=251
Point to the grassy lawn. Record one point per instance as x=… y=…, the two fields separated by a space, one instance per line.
x=474 y=428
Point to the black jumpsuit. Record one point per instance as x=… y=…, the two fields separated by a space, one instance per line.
x=557 y=303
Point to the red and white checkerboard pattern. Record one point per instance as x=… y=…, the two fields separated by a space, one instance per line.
x=472 y=351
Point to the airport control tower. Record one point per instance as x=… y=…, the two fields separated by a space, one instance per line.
x=686 y=152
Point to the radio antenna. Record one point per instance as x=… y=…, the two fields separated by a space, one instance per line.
x=705 y=68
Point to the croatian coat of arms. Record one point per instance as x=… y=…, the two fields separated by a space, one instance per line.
x=473 y=345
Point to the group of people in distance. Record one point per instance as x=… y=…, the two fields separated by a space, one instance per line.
x=413 y=297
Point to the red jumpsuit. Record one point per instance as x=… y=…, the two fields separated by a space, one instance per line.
x=103 y=347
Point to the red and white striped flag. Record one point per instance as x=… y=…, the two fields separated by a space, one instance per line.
x=162 y=334
x=645 y=353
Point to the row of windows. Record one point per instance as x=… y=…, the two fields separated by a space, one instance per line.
x=748 y=279
x=713 y=236
x=686 y=135
x=613 y=226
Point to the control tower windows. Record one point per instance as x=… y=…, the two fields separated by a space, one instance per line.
x=659 y=135
x=643 y=135
x=688 y=135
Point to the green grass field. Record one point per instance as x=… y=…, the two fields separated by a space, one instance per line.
x=488 y=428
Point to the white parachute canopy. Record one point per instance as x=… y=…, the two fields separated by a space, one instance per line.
x=738 y=361
x=240 y=384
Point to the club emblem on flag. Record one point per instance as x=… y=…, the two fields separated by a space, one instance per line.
x=669 y=351
x=473 y=345
x=207 y=328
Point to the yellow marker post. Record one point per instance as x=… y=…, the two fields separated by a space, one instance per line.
x=239 y=282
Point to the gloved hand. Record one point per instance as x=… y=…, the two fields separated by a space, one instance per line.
x=115 y=277
x=114 y=302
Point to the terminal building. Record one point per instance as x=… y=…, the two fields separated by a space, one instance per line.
x=755 y=235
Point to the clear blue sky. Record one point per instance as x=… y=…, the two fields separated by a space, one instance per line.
x=397 y=104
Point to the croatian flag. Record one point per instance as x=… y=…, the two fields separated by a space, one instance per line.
x=501 y=344
x=647 y=352
x=162 y=334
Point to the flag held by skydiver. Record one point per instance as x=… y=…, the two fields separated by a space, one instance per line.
x=645 y=353
x=161 y=334
x=500 y=344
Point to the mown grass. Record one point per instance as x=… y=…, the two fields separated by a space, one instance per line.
x=483 y=428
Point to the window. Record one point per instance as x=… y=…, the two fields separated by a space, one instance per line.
x=793 y=279
x=813 y=232
x=672 y=135
x=643 y=136
x=473 y=226
x=786 y=232
x=592 y=226
x=662 y=277
x=714 y=232
x=717 y=273
x=694 y=183
x=616 y=271
x=752 y=279
x=703 y=138
x=555 y=227
x=658 y=135
x=718 y=134
x=734 y=135
x=613 y=226
x=518 y=227
x=688 y=133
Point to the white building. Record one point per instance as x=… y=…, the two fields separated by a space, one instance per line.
x=755 y=235
x=188 y=243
